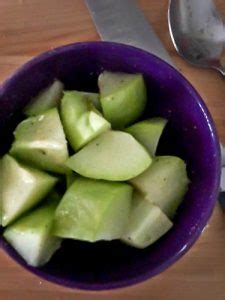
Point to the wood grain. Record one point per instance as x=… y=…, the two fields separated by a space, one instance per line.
x=29 y=27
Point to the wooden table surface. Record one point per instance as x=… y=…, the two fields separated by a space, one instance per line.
x=29 y=27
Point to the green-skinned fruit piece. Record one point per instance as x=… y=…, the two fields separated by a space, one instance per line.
x=70 y=177
x=21 y=188
x=115 y=156
x=81 y=120
x=94 y=98
x=148 y=132
x=93 y=210
x=147 y=223
x=123 y=97
x=46 y=99
x=40 y=141
x=31 y=235
x=164 y=183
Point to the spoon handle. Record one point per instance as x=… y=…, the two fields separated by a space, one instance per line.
x=222 y=149
x=221 y=70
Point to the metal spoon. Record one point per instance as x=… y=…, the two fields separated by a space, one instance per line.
x=198 y=32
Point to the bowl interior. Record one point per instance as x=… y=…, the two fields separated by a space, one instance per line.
x=190 y=134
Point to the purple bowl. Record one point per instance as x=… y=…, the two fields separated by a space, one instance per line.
x=191 y=134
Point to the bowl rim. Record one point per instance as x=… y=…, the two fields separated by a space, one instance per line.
x=138 y=278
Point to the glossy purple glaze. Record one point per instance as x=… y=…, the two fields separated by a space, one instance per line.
x=111 y=265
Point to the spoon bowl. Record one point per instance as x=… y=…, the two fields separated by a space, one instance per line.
x=198 y=33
